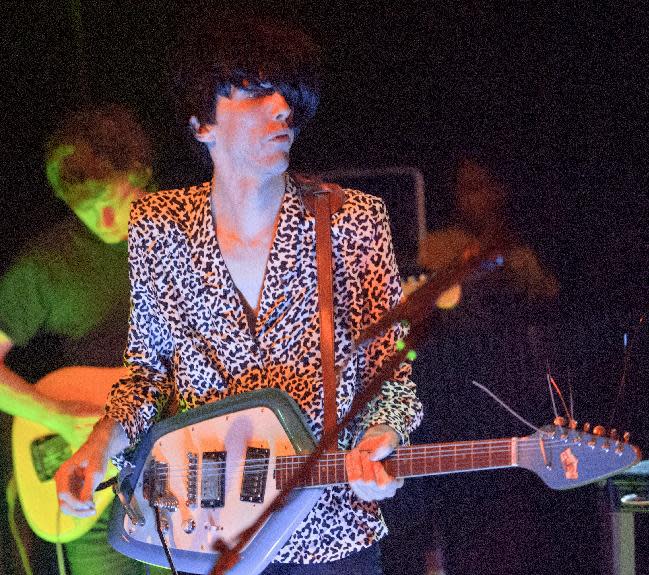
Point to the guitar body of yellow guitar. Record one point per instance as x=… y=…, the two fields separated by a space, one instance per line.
x=38 y=452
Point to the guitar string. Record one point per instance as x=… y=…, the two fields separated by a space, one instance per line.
x=401 y=452
x=338 y=458
x=333 y=460
x=496 y=446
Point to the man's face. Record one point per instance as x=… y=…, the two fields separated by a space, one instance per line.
x=252 y=130
x=106 y=212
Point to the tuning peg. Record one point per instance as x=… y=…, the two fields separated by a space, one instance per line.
x=626 y=437
x=599 y=430
x=573 y=424
x=586 y=427
x=613 y=434
x=560 y=421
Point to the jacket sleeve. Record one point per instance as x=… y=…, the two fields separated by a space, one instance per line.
x=136 y=401
x=397 y=405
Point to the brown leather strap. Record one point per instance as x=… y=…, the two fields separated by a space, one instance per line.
x=322 y=203
x=326 y=306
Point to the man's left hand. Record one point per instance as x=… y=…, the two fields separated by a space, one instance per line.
x=365 y=472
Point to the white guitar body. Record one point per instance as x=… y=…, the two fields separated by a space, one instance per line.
x=209 y=473
x=206 y=495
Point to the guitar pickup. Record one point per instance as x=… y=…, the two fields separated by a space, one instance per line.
x=213 y=479
x=255 y=472
x=48 y=454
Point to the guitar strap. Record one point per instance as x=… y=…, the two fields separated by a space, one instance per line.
x=323 y=202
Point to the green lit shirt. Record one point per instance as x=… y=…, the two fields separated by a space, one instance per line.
x=70 y=290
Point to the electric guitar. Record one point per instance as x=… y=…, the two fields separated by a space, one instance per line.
x=38 y=452
x=208 y=473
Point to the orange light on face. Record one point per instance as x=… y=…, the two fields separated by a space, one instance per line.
x=108 y=217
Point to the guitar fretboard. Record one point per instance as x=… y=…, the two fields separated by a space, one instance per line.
x=418 y=460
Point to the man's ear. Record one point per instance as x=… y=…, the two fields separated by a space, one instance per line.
x=204 y=133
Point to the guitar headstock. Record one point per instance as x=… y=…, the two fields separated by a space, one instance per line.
x=565 y=457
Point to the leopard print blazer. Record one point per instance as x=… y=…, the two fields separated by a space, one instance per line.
x=189 y=334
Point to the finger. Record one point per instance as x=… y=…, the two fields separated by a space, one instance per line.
x=364 y=487
x=384 y=485
x=371 y=442
x=381 y=452
x=353 y=465
x=381 y=476
x=68 y=500
x=91 y=479
x=355 y=474
x=362 y=490
x=70 y=505
x=368 y=474
x=379 y=446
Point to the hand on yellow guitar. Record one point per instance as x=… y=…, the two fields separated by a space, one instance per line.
x=55 y=416
x=74 y=420
x=77 y=479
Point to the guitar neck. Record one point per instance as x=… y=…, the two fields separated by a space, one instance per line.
x=414 y=461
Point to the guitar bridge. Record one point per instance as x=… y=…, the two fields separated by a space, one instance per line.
x=192 y=479
x=255 y=472
x=155 y=488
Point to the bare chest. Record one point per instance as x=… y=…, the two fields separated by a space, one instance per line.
x=247 y=268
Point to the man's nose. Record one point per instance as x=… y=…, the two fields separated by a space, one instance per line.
x=279 y=107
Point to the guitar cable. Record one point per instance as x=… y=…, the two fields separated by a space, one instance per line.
x=12 y=498
x=60 y=559
x=163 y=541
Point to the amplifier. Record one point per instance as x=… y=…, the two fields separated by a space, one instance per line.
x=629 y=491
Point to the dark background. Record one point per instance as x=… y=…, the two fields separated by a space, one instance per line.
x=551 y=100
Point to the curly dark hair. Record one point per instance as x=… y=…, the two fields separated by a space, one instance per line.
x=106 y=142
x=246 y=52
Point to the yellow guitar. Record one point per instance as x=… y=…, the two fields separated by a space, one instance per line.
x=38 y=453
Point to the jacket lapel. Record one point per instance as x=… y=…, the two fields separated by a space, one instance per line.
x=290 y=251
x=222 y=307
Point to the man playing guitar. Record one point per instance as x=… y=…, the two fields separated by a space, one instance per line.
x=224 y=291
x=64 y=301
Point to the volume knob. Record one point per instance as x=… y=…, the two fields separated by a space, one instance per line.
x=189 y=526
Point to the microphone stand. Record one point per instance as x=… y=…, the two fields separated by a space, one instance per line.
x=414 y=314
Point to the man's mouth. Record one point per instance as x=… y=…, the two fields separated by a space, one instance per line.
x=280 y=137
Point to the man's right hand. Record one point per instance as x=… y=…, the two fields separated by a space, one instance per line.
x=74 y=420
x=77 y=479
